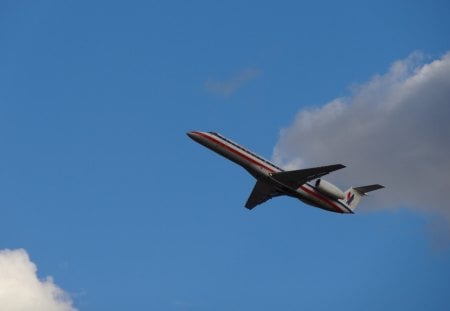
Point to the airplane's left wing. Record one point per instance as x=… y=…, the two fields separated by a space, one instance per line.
x=260 y=194
x=297 y=178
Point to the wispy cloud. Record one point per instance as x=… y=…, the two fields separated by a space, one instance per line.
x=21 y=289
x=392 y=130
x=230 y=86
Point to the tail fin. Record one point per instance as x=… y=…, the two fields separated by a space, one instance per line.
x=353 y=195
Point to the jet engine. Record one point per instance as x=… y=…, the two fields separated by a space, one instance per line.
x=329 y=189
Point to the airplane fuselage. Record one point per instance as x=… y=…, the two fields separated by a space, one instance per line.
x=263 y=169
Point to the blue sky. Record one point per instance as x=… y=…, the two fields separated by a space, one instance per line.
x=103 y=189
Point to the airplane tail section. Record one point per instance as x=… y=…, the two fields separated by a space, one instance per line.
x=354 y=194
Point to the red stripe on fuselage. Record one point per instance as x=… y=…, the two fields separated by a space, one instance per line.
x=322 y=198
x=243 y=155
x=237 y=152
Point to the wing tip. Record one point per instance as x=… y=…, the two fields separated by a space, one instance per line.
x=249 y=206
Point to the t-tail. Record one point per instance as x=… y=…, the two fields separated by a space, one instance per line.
x=353 y=195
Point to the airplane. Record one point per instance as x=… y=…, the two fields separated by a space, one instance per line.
x=272 y=181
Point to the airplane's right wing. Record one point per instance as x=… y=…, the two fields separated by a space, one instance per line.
x=260 y=194
x=297 y=178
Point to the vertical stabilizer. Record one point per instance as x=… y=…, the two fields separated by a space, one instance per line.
x=354 y=194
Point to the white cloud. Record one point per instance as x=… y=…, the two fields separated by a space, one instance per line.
x=228 y=87
x=22 y=290
x=393 y=130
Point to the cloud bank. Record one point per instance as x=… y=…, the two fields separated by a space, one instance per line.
x=393 y=130
x=21 y=289
x=230 y=86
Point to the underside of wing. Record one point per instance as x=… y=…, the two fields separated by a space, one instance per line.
x=260 y=194
x=297 y=178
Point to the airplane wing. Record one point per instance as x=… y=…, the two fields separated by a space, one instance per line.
x=260 y=194
x=297 y=178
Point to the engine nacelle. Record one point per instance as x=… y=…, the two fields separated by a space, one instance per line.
x=329 y=189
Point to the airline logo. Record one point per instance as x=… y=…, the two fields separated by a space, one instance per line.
x=350 y=197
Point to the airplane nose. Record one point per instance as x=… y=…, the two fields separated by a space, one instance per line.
x=190 y=134
x=194 y=136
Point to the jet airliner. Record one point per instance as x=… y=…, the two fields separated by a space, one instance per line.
x=272 y=181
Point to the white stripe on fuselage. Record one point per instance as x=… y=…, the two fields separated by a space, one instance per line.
x=244 y=153
x=307 y=191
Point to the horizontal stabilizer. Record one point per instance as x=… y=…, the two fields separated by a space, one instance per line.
x=365 y=189
x=297 y=178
